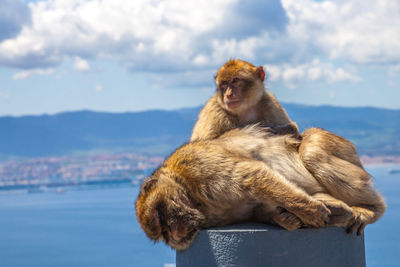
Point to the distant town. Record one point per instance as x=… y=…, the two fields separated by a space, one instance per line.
x=55 y=172
x=45 y=173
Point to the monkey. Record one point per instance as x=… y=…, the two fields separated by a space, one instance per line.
x=247 y=174
x=241 y=99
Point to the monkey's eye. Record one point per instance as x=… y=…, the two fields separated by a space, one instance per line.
x=223 y=86
x=235 y=80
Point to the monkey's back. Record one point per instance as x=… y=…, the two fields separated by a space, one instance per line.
x=278 y=152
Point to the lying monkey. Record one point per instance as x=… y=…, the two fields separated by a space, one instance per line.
x=248 y=174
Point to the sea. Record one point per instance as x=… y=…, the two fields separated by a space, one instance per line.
x=97 y=227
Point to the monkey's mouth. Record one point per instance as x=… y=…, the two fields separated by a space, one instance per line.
x=232 y=104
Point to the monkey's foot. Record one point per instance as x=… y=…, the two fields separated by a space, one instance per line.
x=287 y=220
x=341 y=214
x=358 y=223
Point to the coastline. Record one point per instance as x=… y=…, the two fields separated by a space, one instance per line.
x=107 y=176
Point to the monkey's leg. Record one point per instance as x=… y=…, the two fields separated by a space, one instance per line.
x=334 y=145
x=264 y=185
x=335 y=164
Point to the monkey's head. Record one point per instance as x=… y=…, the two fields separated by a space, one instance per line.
x=240 y=85
x=166 y=213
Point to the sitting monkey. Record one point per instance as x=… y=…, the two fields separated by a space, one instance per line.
x=241 y=99
x=248 y=174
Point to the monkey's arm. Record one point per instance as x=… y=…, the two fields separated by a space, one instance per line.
x=276 y=117
x=212 y=122
x=267 y=186
x=204 y=131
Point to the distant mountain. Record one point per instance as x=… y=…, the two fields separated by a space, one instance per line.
x=375 y=131
x=86 y=131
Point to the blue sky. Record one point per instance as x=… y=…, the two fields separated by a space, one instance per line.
x=116 y=55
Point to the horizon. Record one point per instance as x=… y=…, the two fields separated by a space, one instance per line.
x=182 y=108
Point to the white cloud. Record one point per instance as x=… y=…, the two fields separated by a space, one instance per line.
x=134 y=32
x=314 y=71
x=362 y=31
x=273 y=72
x=81 y=64
x=165 y=35
x=240 y=48
x=170 y=36
x=27 y=73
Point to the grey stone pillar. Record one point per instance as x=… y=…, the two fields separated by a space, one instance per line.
x=254 y=245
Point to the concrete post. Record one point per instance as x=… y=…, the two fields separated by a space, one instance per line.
x=256 y=245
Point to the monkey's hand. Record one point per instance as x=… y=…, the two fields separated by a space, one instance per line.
x=290 y=128
x=269 y=129
x=314 y=214
x=286 y=219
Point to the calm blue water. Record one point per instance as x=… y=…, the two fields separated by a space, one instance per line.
x=99 y=228
x=77 y=228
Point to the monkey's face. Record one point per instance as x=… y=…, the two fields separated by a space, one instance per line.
x=240 y=85
x=233 y=92
x=165 y=213
x=240 y=94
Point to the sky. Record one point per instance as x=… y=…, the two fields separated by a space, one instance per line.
x=120 y=56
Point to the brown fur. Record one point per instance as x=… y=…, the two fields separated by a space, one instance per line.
x=256 y=104
x=246 y=174
x=332 y=159
x=251 y=174
x=335 y=164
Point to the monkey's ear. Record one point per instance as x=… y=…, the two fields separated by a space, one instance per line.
x=155 y=221
x=149 y=183
x=150 y=222
x=261 y=73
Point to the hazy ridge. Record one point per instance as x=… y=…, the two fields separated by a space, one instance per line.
x=375 y=131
